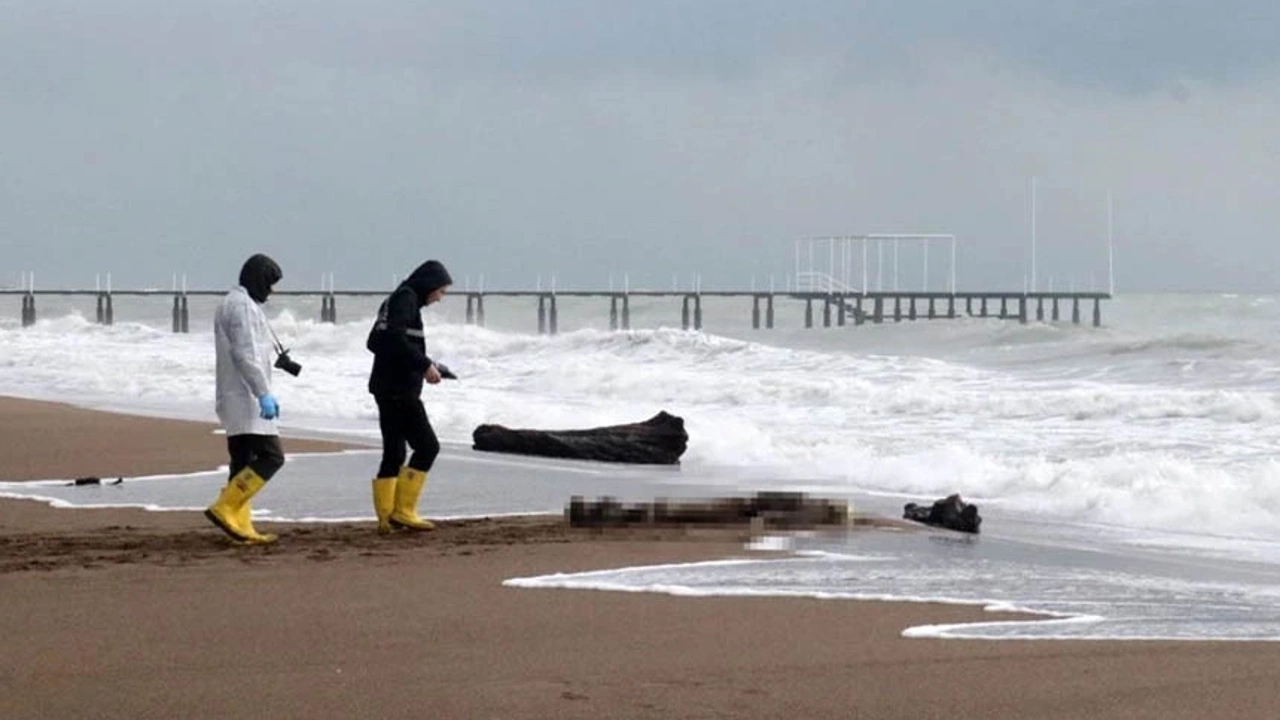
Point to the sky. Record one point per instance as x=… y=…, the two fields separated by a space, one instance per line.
x=659 y=140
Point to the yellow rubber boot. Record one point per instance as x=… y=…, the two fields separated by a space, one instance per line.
x=384 y=501
x=408 y=489
x=245 y=519
x=231 y=511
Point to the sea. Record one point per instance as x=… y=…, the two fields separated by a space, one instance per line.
x=1126 y=474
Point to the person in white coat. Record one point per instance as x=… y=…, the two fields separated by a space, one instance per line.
x=244 y=403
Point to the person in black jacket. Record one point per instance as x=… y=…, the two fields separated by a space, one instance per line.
x=400 y=364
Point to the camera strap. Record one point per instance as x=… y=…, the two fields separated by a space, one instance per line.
x=275 y=340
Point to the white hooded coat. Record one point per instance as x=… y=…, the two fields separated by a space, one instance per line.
x=243 y=345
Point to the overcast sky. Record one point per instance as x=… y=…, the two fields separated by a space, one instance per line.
x=579 y=138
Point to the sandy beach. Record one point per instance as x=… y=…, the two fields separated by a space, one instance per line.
x=133 y=614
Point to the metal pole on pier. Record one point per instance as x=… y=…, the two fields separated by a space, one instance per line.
x=810 y=275
x=831 y=262
x=953 y=265
x=924 y=283
x=796 y=274
x=879 y=264
x=895 y=264
x=1033 y=233
x=1111 y=265
x=864 y=265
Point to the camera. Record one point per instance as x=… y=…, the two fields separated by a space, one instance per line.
x=287 y=364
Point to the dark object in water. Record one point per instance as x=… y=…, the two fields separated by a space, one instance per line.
x=660 y=440
x=92 y=481
x=770 y=509
x=950 y=512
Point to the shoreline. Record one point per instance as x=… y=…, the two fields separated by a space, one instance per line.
x=128 y=613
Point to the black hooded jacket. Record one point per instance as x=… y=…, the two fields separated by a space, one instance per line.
x=257 y=275
x=396 y=340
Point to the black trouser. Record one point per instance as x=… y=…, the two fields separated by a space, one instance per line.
x=260 y=452
x=404 y=420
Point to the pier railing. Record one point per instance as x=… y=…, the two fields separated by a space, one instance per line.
x=840 y=307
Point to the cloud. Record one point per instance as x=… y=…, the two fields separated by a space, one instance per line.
x=582 y=138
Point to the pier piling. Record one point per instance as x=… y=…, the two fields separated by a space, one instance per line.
x=328 y=308
x=181 y=313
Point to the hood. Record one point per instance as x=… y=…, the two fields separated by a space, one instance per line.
x=257 y=276
x=429 y=276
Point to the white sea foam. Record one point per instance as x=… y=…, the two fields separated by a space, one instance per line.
x=1065 y=595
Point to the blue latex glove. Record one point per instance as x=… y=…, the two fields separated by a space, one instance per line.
x=270 y=409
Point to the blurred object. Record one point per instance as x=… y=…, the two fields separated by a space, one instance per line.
x=765 y=510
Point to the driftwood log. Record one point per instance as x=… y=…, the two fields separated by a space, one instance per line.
x=660 y=440
x=950 y=512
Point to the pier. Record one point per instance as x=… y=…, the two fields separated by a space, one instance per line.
x=850 y=291
x=821 y=308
